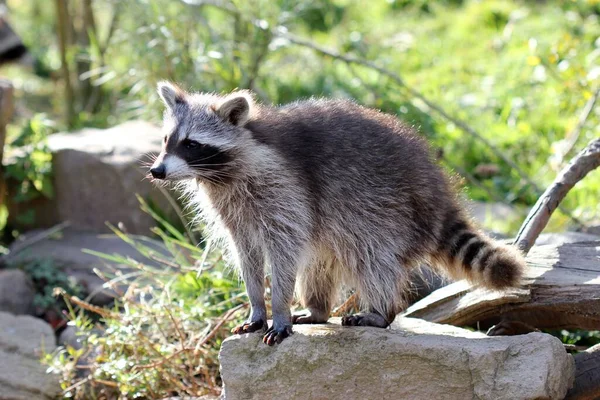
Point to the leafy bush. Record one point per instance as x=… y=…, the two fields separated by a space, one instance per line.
x=30 y=165
x=163 y=335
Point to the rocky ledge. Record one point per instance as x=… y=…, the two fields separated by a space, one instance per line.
x=412 y=360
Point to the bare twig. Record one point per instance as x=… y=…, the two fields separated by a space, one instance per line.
x=225 y=318
x=350 y=303
x=587 y=160
x=87 y=306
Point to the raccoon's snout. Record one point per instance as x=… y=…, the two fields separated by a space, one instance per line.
x=159 y=171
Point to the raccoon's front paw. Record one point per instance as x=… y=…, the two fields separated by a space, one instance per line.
x=249 y=327
x=276 y=335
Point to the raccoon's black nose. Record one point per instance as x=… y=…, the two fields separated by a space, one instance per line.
x=159 y=172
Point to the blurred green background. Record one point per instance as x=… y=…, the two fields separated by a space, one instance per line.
x=517 y=72
x=504 y=91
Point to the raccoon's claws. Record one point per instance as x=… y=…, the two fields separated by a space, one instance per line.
x=249 y=327
x=274 y=335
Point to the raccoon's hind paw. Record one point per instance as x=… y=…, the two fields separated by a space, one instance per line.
x=307 y=317
x=365 y=319
x=276 y=335
x=249 y=327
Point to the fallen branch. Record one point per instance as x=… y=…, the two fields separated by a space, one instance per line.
x=587 y=375
x=103 y=312
x=587 y=160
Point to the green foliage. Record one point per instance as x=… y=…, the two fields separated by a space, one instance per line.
x=578 y=338
x=162 y=336
x=517 y=72
x=30 y=166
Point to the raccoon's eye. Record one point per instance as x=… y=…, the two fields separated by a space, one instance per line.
x=165 y=139
x=190 y=144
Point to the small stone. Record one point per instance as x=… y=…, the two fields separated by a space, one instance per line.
x=70 y=337
x=16 y=292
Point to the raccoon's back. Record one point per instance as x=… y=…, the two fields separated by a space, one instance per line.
x=360 y=165
x=332 y=140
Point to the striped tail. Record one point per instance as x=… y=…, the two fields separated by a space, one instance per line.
x=465 y=252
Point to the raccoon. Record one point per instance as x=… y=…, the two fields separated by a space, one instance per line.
x=326 y=193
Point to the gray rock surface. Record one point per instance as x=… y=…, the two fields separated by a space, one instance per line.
x=22 y=376
x=414 y=360
x=70 y=337
x=96 y=174
x=565 y=237
x=16 y=292
x=65 y=251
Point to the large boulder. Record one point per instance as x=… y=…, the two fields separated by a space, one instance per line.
x=413 y=360
x=23 y=339
x=16 y=292
x=96 y=174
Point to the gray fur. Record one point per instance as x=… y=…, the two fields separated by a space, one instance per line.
x=326 y=193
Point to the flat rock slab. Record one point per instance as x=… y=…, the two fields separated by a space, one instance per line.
x=22 y=376
x=413 y=360
x=66 y=252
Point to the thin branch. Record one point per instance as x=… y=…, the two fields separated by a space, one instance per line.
x=350 y=303
x=85 y=305
x=587 y=160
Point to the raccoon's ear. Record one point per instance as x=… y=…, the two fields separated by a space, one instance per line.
x=236 y=108
x=170 y=94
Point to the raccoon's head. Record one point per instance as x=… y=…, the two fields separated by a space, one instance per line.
x=203 y=135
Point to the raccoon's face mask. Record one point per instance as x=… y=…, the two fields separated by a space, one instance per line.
x=200 y=135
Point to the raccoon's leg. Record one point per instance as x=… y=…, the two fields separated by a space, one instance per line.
x=284 y=258
x=317 y=288
x=251 y=262
x=381 y=285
